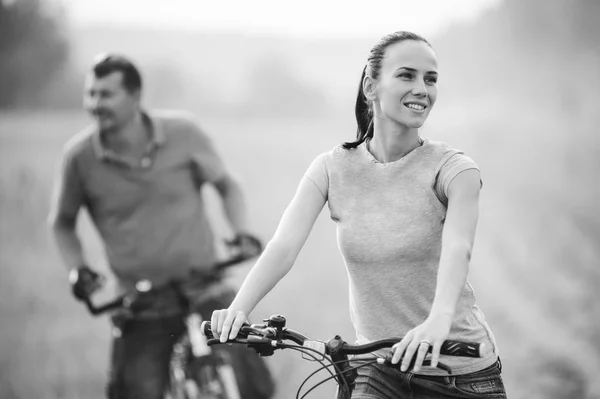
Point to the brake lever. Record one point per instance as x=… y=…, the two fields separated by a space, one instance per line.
x=251 y=340
x=261 y=345
x=216 y=341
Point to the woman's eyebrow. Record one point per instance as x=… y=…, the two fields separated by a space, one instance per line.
x=414 y=70
x=408 y=69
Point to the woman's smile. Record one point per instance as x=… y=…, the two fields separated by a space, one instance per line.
x=417 y=107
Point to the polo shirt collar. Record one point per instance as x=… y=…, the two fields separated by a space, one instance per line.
x=157 y=140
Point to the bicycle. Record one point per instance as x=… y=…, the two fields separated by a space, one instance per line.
x=195 y=369
x=266 y=338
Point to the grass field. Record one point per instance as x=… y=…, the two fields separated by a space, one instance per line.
x=535 y=267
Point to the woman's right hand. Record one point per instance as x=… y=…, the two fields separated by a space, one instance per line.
x=226 y=323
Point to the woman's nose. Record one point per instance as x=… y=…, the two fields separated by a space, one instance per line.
x=419 y=88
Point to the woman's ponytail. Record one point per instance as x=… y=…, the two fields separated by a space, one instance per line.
x=364 y=116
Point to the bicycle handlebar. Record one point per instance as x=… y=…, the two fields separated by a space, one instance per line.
x=264 y=339
x=113 y=304
x=145 y=286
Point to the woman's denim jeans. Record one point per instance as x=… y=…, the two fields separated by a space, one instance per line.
x=382 y=382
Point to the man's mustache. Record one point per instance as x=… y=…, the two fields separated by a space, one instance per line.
x=101 y=112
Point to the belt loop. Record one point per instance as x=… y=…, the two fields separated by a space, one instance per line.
x=499 y=364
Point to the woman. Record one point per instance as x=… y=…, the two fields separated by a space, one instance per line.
x=406 y=210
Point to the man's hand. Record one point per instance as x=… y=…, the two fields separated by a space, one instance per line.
x=84 y=282
x=248 y=245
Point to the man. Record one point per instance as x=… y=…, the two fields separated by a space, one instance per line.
x=139 y=175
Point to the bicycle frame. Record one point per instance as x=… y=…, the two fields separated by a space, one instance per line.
x=226 y=386
x=220 y=384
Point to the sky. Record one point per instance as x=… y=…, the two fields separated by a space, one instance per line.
x=299 y=18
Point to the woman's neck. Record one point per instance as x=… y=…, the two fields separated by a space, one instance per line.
x=390 y=143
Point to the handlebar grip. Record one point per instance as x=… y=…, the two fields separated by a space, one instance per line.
x=466 y=349
x=100 y=309
x=206 y=330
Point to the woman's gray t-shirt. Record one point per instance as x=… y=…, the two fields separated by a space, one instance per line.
x=389 y=220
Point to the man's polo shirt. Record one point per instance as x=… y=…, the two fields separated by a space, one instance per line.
x=150 y=216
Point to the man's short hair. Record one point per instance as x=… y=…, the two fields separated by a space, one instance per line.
x=105 y=64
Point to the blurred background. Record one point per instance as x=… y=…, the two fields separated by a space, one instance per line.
x=274 y=84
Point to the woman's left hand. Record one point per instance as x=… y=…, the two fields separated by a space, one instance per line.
x=433 y=332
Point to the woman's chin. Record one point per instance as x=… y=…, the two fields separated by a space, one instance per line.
x=412 y=123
